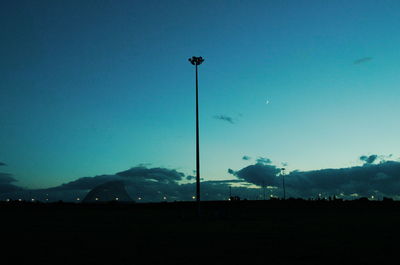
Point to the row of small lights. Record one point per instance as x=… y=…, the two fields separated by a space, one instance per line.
x=97 y=198
x=165 y=198
x=78 y=199
x=139 y=198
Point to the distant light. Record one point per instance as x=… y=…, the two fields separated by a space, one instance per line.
x=20 y=200
x=165 y=198
x=78 y=199
x=33 y=200
x=372 y=197
x=47 y=199
x=229 y=199
x=193 y=197
x=139 y=198
x=8 y=200
x=116 y=199
x=320 y=195
x=97 y=199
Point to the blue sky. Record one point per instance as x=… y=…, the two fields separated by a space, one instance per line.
x=95 y=87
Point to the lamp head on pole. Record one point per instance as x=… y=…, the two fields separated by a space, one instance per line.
x=196 y=60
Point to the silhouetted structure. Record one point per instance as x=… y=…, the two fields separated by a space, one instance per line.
x=196 y=61
x=108 y=192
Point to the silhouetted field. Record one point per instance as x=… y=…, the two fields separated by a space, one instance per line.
x=243 y=232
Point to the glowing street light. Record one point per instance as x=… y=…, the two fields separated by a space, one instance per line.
x=196 y=61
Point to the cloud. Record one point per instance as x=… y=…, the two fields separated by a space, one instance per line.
x=369 y=159
x=6 y=182
x=246 y=157
x=6 y=185
x=153 y=184
x=259 y=174
x=140 y=181
x=150 y=184
x=364 y=180
x=362 y=60
x=6 y=178
x=85 y=183
x=190 y=177
x=217 y=190
x=135 y=176
x=263 y=160
x=224 y=118
x=370 y=179
x=162 y=175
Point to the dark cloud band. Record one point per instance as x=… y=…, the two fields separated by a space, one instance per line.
x=153 y=184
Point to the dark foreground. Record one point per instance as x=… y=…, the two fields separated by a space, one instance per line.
x=245 y=232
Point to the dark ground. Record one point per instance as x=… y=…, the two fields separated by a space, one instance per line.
x=244 y=232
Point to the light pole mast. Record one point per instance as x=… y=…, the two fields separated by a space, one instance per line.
x=283 y=183
x=196 y=61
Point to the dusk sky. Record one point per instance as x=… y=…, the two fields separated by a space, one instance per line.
x=98 y=87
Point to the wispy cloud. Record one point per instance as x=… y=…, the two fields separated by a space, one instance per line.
x=264 y=160
x=246 y=157
x=224 y=118
x=362 y=60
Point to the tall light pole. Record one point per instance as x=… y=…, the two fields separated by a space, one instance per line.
x=196 y=61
